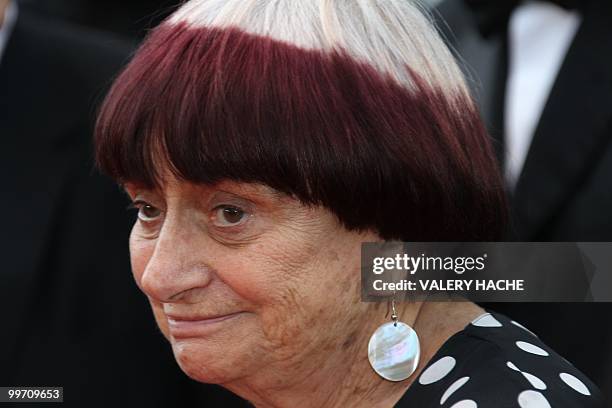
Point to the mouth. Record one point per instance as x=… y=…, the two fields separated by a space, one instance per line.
x=197 y=326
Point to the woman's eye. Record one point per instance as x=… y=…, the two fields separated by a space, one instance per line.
x=147 y=213
x=228 y=216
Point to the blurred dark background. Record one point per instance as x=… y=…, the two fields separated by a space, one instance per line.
x=130 y=19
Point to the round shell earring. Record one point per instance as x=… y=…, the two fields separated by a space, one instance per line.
x=394 y=349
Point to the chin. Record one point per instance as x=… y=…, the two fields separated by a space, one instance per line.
x=201 y=363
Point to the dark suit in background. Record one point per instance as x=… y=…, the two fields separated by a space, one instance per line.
x=564 y=192
x=129 y=18
x=72 y=315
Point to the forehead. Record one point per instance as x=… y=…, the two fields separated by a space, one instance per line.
x=171 y=187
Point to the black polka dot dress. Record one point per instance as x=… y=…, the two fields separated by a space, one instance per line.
x=497 y=363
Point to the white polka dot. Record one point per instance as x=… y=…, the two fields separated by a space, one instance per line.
x=532 y=399
x=575 y=383
x=437 y=370
x=531 y=348
x=465 y=404
x=535 y=381
x=454 y=387
x=512 y=366
x=486 y=320
x=523 y=327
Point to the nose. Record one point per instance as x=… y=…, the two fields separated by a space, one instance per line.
x=178 y=267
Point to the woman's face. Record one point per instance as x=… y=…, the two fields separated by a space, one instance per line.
x=247 y=282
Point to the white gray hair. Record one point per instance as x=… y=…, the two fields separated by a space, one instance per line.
x=390 y=35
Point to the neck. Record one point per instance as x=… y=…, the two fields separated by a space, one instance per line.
x=343 y=377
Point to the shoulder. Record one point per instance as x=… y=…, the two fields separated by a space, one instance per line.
x=57 y=73
x=67 y=52
x=70 y=39
x=495 y=362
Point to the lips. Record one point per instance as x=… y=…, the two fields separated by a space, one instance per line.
x=196 y=326
x=181 y=318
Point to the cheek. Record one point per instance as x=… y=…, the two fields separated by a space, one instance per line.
x=305 y=291
x=266 y=273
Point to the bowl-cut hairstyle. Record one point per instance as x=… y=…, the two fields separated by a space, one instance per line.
x=353 y=105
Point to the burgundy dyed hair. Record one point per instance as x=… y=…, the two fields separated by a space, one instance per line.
x=221 y=104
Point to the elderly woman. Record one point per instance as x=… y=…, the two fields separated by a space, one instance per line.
x=262 y=141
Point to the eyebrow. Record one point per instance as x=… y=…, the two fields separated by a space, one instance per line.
x=135 y=187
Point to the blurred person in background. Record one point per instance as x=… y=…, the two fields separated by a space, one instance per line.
x=72 y=315
x=543 y=77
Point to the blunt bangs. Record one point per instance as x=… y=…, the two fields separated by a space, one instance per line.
x=213 y=104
